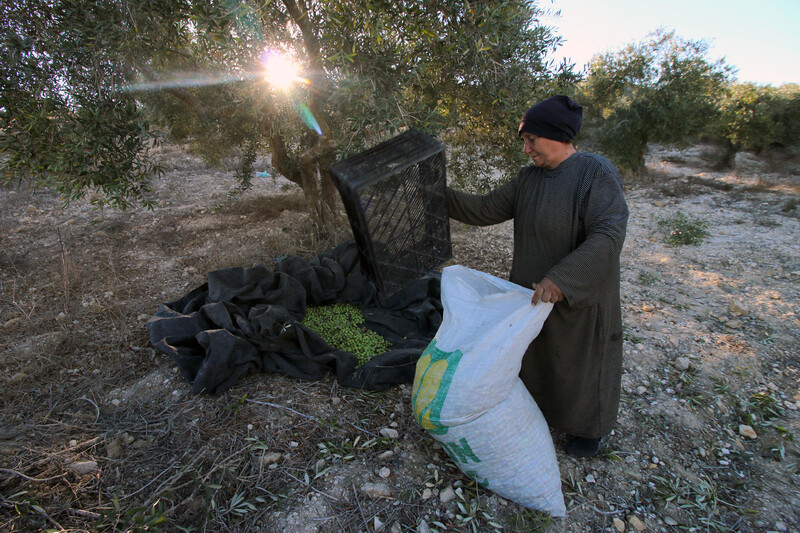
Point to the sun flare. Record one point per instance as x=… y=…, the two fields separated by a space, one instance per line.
x=281 y=71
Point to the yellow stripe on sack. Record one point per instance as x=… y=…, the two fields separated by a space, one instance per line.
x=432 y=378
x=427 y=391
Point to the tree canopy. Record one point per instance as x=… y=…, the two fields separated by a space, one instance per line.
x=663 y=89
x=85 y=86
x=754 y=117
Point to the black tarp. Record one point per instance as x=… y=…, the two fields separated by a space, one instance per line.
x=248 y=320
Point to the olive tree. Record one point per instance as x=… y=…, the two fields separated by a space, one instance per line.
x=62 y=121
x=754 y=117
x=91 y=82
x=663 y=89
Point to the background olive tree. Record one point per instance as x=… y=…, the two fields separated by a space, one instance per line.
x=663 y=89
x=85 y=85
x=755 y=117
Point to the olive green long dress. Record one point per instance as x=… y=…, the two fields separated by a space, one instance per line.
x=569 y=226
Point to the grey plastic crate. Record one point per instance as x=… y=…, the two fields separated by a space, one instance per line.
x=395 y=197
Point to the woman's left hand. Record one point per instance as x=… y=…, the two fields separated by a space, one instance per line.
x=547 y=292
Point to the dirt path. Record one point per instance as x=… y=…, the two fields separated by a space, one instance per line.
x=706 y=439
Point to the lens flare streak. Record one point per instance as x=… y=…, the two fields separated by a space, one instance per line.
x=188 y=81
x=307 y=117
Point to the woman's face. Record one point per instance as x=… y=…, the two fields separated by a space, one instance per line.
x=543 y=152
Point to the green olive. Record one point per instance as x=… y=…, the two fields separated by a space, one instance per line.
x=342 y=326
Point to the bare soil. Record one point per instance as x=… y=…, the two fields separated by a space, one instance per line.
x=100 y=433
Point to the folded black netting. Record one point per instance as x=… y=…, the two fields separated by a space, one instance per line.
x=248 y=320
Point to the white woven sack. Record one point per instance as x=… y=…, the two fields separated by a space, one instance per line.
x=508 y=449
x=468 y=395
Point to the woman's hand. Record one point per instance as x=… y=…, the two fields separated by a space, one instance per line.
x=547 y=292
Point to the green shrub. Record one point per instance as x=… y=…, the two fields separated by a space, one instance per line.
x=342 y=326
x=683 y=230
x=648 y=278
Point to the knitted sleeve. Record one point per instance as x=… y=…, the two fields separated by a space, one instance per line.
x=492 y=208
x=580 y=275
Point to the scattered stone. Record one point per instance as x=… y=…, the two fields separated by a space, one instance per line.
x=423 y=527
x=384 y=472
x=114 y=449
x=83 y=467
x=619 y=525
x=386 y=455
x=336 y=401
x=377 y=525
x=269 y=458
x=426 y=494
x=780 y=526
x=670 y=521
x=647 y=308
x=735 y=324
x=747 y=431
x=590 y=478
x=143 y=317
x=396 y=528
x=447 y=495
x=636 y=523
x=389 y=433
x=682 y=363
x=376 y=490
x=293 y=444
x=641 y=389
x=736 y=309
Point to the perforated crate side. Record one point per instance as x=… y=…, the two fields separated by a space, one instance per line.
x=395 y=197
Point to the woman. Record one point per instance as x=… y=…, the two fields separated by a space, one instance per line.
x=570 y=219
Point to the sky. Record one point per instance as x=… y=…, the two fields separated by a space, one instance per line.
x=761 y=39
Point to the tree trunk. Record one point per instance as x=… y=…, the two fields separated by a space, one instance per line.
x=727 y=161
x=318 y=186
x=314 y=162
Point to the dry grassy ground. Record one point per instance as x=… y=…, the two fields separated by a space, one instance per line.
x=99 y=433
